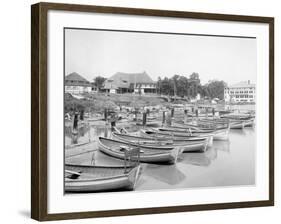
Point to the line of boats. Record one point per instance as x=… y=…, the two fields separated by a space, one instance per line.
x=158 y=145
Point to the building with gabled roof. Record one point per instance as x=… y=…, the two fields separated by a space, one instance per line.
x=241 y=92
x=122 y=82
x=76 y=84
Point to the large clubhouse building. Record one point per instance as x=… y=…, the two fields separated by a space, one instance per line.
x=76 y=84
x=122 y=82
x=240 y=92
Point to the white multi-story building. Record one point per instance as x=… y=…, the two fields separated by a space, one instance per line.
x=240 y=92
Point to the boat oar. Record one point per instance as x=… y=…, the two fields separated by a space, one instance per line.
x=73 y=174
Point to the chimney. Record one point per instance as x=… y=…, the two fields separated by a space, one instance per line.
x=248 y=81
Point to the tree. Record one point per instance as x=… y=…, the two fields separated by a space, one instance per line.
x=194 y=84
x=190 y=87
x=99 y=81
x=194 y=76
x=175 y=84
x=215 y=89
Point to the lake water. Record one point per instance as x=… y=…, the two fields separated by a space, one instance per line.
x=226 y=163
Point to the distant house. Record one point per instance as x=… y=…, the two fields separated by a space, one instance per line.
x=130 y=83
x=76 y=84
x=240 y=92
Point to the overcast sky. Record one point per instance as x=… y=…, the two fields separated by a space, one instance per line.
x=91 y=53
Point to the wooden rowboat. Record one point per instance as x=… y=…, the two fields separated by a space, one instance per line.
x=249 y=123
x=221 y=134
x=237 y=125
x=191 y=132
x=164 y=136
x=81 y=178
x=148 y=154
x=150 y=124
x=199 y=126
x=186 y=146
x=234 y=123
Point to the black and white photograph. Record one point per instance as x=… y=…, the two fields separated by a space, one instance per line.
x=153 y=111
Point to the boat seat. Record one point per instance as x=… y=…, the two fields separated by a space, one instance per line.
x=124 y=148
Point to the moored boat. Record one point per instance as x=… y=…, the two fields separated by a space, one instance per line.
x=201 y=125
x=154 y=134
x=233 y=123
x=221 y=134
x=237 y=125
x=150 y=124
x=186 y=146
x=81 y=178
x=148 y=154
x=249 y=123
x=185 y=132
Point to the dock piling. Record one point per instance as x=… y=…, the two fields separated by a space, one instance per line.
x=144 y=118
x=164 y=118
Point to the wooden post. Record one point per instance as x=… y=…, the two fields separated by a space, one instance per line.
x=82 y=115
x=75 y=121
x=147 y=111
x=164 y=118
x=172 y=112
x=185 y=116
x=113 y=124
x=106 y=130
x=75 y=129
x=169 y=119
x=144 y=118
x=136 y=115
x=89 y=131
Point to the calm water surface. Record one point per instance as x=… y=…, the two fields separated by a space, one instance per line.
x=226 y=163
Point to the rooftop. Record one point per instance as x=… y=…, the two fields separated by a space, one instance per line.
x=74 y=79
x=124 y=80
x=242 y=84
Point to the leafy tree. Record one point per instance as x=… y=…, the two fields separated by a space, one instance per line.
x=190 y=87
x=99 y=81
x=216 y=89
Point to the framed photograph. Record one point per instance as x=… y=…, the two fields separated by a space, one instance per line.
x=141 y=111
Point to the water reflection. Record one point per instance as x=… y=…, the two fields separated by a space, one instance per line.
x=100 y=159
x=74 y=135
x=199 y=158
x=169 y=174
x=238 y=131
x=88 y=156
x=192 y=169
x=222 y=146
x=91 y=131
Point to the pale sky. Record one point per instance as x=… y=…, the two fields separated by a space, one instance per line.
x=93 y=52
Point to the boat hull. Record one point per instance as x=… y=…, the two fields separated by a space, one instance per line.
x=125 y=181
x=221 y=134
x=175 y=138
x=237 y=125
x=186 y=146
x=150 y=155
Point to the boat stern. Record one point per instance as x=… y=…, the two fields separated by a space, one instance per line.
x=176 y=152
x=134 y=176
